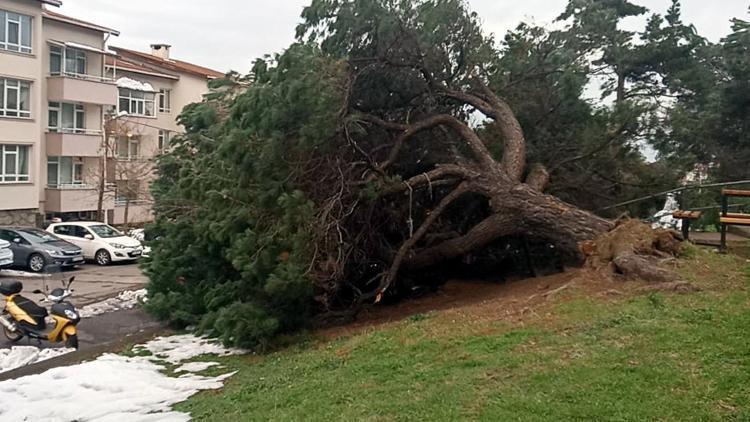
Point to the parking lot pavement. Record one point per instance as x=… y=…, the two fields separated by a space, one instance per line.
x=93 y=283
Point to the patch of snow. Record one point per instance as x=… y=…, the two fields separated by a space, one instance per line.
x=175 y=349
x=128 y=83
x=18 y=356
x=138 y=234
x=664 y=219
x=112 y=387
x=196 y=366
x=125 y=300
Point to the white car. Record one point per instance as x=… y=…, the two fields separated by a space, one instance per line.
x=6 y=255
x=100 y=242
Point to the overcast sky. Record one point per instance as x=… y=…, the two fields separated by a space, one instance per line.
x=230 y=34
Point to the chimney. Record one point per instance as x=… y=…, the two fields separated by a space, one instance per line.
x=160 y=50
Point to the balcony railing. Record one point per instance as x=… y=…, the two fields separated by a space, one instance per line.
x=75 y=131
x=95 y=78
x=69 y=186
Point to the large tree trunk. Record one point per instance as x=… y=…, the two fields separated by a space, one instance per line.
x=517 y=203
x=519 y=211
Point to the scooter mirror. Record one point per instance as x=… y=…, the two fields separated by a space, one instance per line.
x=72 y=279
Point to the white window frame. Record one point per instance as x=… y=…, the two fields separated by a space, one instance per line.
x=7 y=86
x=138 y=102
x=165 y=101
x=22 y=21
x=64 y=53
x=74 y=181
x=131 y=141
x=9 y=150
x=163 y=141
x=79 y=118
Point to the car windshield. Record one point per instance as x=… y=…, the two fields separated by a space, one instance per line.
x=104 y=231
x=38 y=236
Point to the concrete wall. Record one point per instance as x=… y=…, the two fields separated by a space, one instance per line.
x=24 y=196
x=137 y=214
x=23 y=218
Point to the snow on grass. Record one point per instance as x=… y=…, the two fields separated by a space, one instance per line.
x=175 y=349
x=196 y=366
x=18 y=356
x=125 y=300
x=115 y=387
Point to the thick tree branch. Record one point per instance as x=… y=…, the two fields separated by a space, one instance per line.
x=443 y=170
x=538 y=177
x=492 y=228
x=418 y=235
x=476 y=145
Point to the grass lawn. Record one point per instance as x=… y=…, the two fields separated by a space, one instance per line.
x=580 y=356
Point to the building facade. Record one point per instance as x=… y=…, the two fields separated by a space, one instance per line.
x=79 y=122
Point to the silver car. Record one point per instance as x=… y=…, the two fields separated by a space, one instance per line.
x=37 y=250
x=6 y=254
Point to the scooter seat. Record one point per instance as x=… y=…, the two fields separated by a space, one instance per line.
x=36 y=312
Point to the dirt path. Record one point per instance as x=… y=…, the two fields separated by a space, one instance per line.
x=509 y=300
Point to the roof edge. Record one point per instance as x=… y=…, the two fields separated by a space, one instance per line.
x=56 y=3
x=77 y=22
x=173 y=64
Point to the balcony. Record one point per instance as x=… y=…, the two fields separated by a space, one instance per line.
x=79 y=143
x=81 y=89
x=75 y=199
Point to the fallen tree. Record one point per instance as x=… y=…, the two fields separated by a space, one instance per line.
x=373 y=153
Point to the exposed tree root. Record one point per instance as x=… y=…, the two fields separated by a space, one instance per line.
x=636 y=251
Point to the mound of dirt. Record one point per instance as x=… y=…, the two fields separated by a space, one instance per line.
x=633 y=250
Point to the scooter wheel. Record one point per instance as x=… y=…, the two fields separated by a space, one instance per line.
x=13 y=336
x=72 y=341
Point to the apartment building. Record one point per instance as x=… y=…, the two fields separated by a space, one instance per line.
x=61 y=89
x=153 y=89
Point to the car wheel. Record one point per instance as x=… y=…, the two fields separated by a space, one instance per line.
x=36 y=263
x=103 y=257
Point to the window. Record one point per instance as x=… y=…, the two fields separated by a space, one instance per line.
x=15 y=98
x=127 y=191
x=64 y=172
x=68 y=61
x=137 y=103
x=163 y=140
x=67 y=118
x=128 y=148
x=165 y=100
x=15 y=32
x=71 y=230
x=14 y=163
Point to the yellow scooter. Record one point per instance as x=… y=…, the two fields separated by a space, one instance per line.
x=21 y=317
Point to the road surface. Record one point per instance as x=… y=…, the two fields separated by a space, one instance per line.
x=93 y=283
x=102 y=333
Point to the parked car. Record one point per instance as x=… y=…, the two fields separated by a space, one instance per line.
x=100 y=242
x=6 y=255
x=37 y=250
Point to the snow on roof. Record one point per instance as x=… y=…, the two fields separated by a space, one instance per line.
x=127 y=83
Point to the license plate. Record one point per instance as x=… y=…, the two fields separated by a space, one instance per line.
x=135 y=253
x=78 y=259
